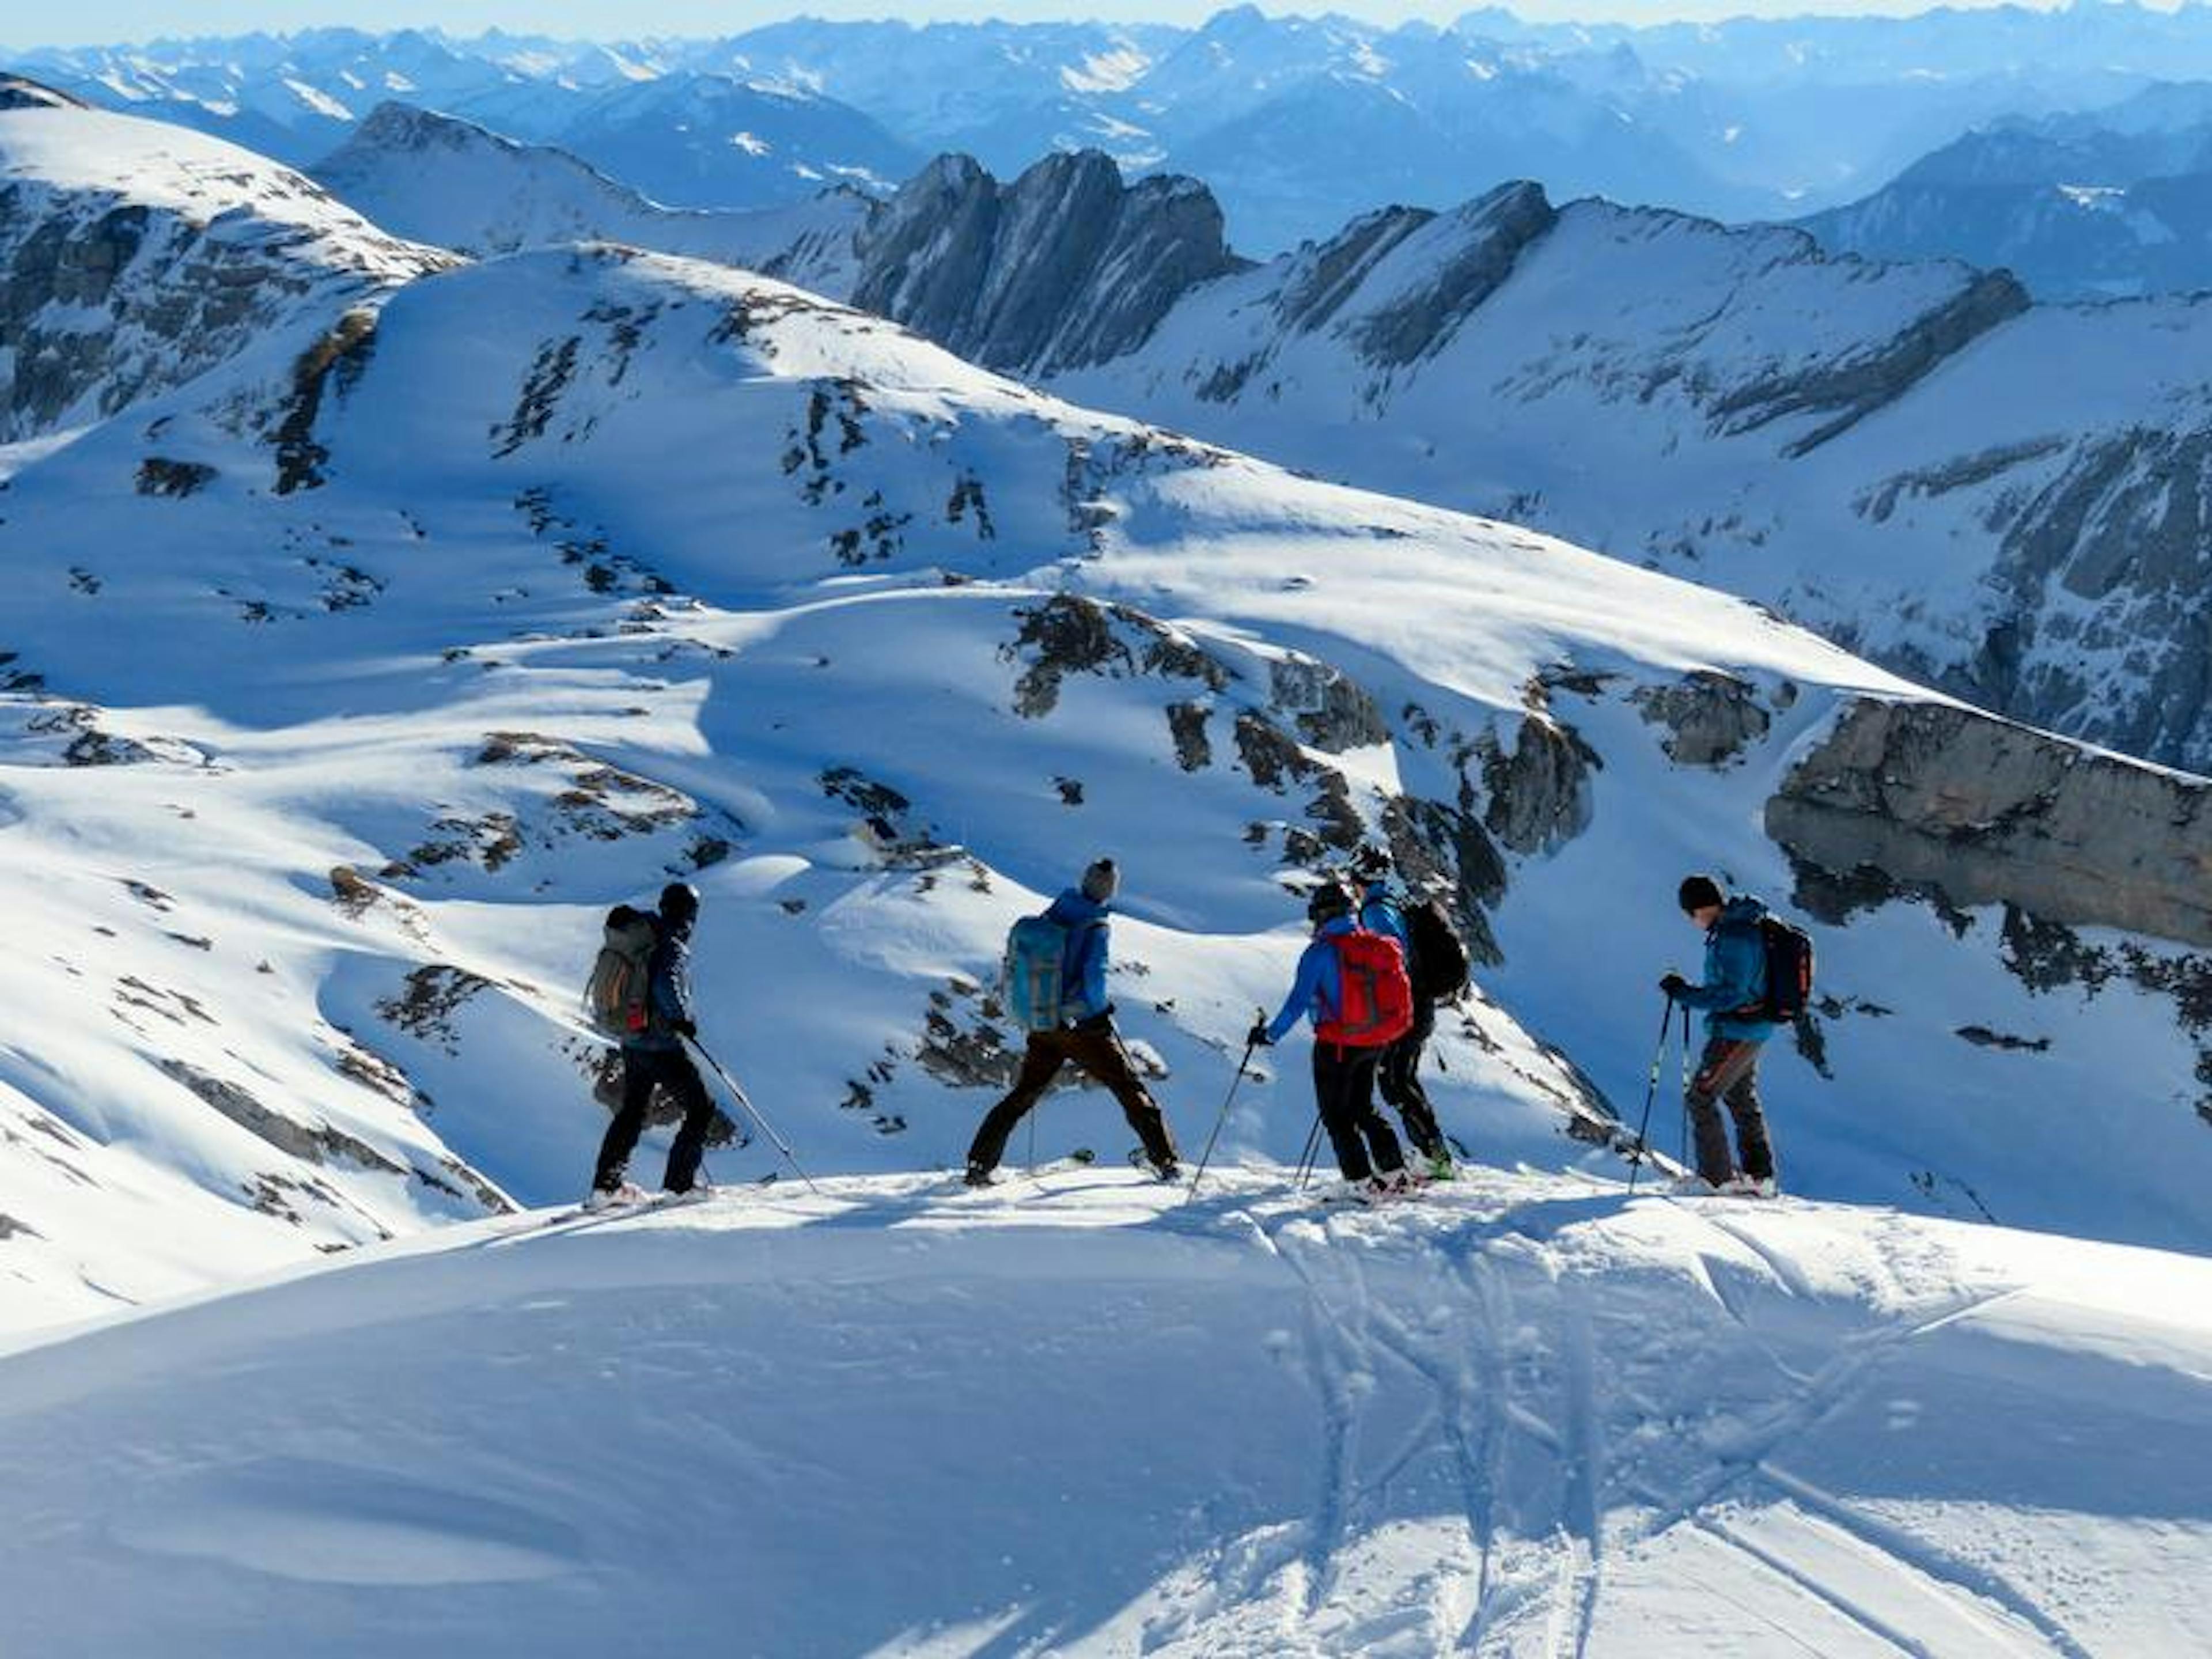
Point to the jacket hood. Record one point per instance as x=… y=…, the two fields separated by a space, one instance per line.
x=1072 y=908
x=1743 y=907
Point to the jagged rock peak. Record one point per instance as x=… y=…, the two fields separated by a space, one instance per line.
x=1065 y=267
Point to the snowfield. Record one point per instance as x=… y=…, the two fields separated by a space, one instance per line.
x=1525 y=1415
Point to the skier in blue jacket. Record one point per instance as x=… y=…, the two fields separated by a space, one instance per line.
x=1086 y=1038
x=1368 y=1155
x=1734 y=987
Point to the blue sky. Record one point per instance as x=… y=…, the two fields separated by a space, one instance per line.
x=22 y=24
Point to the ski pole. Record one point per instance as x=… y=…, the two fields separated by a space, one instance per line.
x=1685 y=1083
x=1308 y=1158
x=1221 y=1117
x=1650 y=1092
x=753 y=1111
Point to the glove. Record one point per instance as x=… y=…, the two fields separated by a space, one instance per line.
x=1673 y=985
x=1257 y=1037
x=685 y=1028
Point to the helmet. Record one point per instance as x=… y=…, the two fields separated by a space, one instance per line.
x=1327 y=901
x=679 y=901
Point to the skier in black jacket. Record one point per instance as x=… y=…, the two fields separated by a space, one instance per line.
x=655 y=1056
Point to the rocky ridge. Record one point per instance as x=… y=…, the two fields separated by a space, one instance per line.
x=134 y=256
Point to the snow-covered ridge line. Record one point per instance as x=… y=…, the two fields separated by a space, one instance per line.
x=450 y=182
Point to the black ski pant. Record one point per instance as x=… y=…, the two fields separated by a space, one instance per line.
x=1728 y=1072
x=1095 y=1048
x=1344 y=1089
x=643 y=1070
x=1399 y=1077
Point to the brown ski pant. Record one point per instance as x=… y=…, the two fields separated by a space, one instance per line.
x=1095 y=1048
x=1728 y=1072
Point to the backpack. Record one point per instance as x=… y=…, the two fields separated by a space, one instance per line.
x=617 y=994
x=1375 y=997
x=1033 y=980
x=1789 y=969
x=1788 y=977
x=1439 y=965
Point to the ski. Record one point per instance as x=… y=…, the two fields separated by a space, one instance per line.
x=1082 y=1158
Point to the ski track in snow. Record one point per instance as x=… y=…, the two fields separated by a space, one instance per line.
x=1476 y=1411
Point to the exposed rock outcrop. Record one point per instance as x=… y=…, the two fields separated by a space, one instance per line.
x=1479 y=244
x=1710 y=718
x=2106 y=563
x=1065 y=267
x=1988 y=812
x=1852 y=387
x=161 y=255
x=1539 y=793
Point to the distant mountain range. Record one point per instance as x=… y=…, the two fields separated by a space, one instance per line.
x=2115 y=202
x=1296 y=124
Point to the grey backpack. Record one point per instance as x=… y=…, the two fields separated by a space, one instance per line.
x=615 y=996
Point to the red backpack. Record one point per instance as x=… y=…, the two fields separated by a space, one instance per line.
x=1375 y=997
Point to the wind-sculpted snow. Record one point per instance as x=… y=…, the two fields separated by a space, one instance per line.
x=1072 y=1416
x=352 y=683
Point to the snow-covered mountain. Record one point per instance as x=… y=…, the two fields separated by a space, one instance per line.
x=135 y=254
x=291 y=97
x=688 y=137
x=1853 y=443
x=716 y=141
x=1520 y=1418
x=438 y=179
x=2118 y=202
x=353 y=679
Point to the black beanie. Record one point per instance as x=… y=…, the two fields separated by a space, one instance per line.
x=1697 y=892
x=1327 y=900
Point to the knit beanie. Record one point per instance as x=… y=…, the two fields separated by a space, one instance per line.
x=1697 y=892
x=1327 y=901
x=1100 y=882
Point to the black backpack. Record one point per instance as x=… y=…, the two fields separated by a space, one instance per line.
x=1789 y=977
x=1789 y=968
x=1439 y=962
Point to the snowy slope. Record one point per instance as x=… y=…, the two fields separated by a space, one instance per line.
x=135 y=254
x=1523 y=1419
x=440 y=179
x=1913 y=459
x=1910 y=458
x=354 y=681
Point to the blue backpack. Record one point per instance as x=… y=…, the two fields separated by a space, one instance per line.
x=1033 y=981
